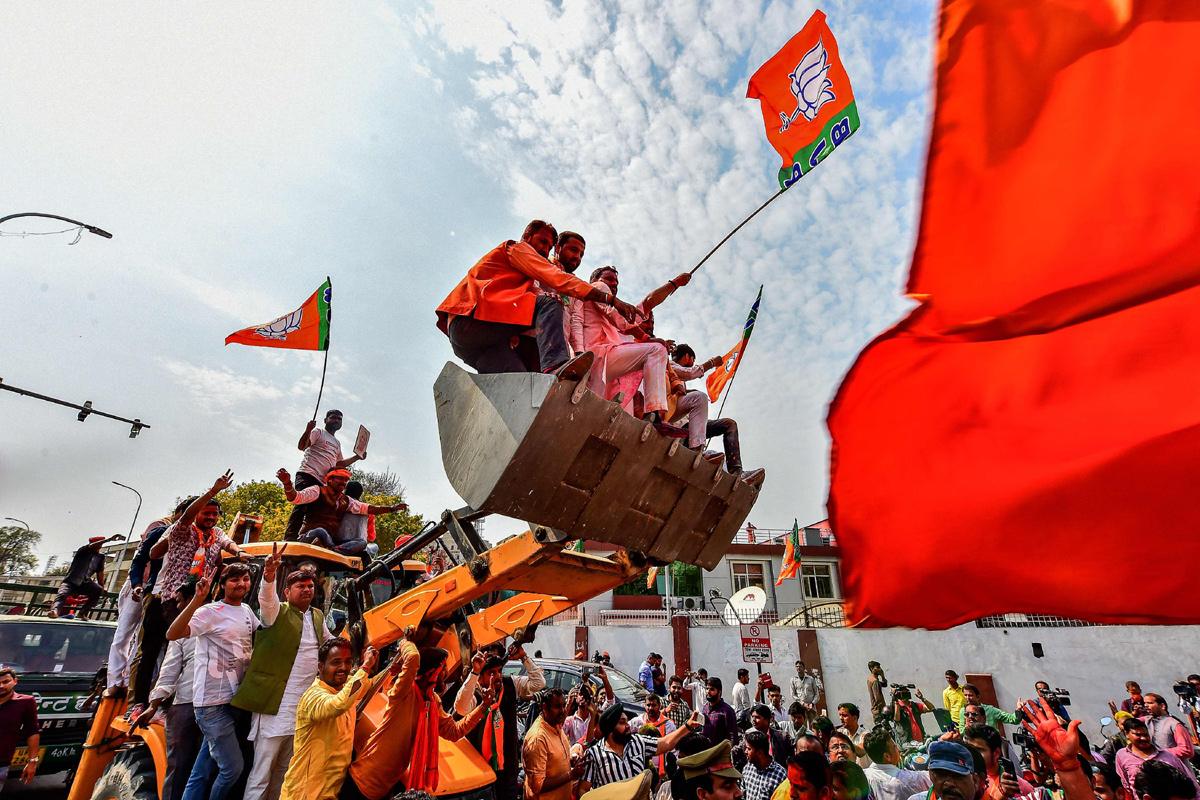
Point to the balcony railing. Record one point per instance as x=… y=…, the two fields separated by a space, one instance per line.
x=778 y=536
x=817 y=614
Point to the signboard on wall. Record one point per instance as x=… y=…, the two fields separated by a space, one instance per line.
x=756 y=643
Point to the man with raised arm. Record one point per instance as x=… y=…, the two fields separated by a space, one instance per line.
x=322 y=453
x=224 y=632
x=281 y=670
x=325 y=506
x=498 y=301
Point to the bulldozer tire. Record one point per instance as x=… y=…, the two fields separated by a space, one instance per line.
x=130 y=776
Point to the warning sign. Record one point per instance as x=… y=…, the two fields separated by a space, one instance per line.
x=756 y=643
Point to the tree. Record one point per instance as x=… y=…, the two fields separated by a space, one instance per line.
x=16 y=550
x=378 y=483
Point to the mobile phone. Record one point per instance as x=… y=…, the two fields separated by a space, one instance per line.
x=1007 y=767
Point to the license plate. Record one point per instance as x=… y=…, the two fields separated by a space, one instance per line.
x=21 y=756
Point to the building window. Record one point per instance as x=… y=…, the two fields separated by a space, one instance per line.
x=818 y=581
x=747 y=573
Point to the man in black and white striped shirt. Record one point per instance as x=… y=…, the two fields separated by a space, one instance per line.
x=620 y=754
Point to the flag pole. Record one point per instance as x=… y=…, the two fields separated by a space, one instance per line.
x=325 y=365
x=729 y=235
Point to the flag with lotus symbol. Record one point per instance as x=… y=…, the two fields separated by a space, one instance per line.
x=807 y=104
x=791 y=554
x=723 y=374
x=306 y=328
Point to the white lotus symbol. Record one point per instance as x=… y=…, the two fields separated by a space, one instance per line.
x=810 y=85
x=280 y=328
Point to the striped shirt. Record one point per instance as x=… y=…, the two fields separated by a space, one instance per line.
x=603 y=766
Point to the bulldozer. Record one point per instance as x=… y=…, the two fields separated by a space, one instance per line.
x=527 y=446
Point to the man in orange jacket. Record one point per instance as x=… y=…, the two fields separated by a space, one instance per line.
x=498 y=301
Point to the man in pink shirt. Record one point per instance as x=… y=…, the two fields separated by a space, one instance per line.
x=1141 y=749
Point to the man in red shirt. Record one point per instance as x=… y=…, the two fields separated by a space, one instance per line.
x=18 y=721
x=486 y=315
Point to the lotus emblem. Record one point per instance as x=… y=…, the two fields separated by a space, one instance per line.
x=811 y=86
x=280 y=328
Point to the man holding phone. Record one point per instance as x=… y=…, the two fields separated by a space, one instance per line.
x=1002 y=777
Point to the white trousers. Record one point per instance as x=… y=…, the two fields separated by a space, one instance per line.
x=622 y=359
x=693 y=407
x=129 y=619
x=271 y=757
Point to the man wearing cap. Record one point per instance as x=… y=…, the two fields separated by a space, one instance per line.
x=324 y=507
x=405 y=743
x=635 y=788
x=952 y=772
x=887 y=780
x=88 y=561
x=710 y=775
x=620 y=753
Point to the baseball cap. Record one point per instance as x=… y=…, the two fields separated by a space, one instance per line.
x=952 y=757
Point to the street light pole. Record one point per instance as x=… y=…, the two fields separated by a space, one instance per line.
x=121 y=558
x=14 y=519
x=90 y=228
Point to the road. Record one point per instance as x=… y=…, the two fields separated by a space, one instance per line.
x=43 y=787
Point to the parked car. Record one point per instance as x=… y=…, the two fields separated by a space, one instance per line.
x=566 y=675
x=56 y=662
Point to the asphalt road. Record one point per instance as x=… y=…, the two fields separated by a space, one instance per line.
x=43 y=787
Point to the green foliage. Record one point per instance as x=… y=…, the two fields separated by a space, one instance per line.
x=16 y=550
x=266 y=498
x=685 y=582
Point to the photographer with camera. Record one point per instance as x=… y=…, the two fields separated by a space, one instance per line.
x=1189 y=702
x=1167 y=732
x=1058 y=699
x=905 y=713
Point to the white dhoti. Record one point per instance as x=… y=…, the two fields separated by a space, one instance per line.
x=615 y=361
x=129 y=620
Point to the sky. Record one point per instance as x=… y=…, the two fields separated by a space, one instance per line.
x=241 y=154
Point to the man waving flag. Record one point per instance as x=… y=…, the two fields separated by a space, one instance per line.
x=724 y=373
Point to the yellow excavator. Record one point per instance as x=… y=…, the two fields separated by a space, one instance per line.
x=527 y=446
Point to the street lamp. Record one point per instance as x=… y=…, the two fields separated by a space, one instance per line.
x=90 y=228
x=121 y=558
x=14 y=519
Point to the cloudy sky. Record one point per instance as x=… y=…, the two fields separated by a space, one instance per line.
x=240 y=154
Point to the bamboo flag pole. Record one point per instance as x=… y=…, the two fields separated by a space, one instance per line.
x=729 y=235
x=325 y=365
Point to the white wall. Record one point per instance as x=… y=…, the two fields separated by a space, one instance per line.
x=1091 y=663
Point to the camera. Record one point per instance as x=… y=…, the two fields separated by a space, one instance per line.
x=1185 y=691
x=1056 y=696
x=902 y=691
x=1024 y=740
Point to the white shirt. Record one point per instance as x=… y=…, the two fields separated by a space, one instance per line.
x=527 y=685
x=889 y=782
x=741 y=696
x=780 y=714
x=322 y=454
x=175 y=674
x=304 y=670
x=224 y=637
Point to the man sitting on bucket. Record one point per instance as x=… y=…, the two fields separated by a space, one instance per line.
x=486 y=315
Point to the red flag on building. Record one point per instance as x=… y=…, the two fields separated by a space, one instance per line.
x=1031 y=431
x=306 y=328
x=791 y=555
x=807 y=104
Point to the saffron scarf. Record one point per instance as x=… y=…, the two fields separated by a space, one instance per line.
x=423 y=772
x=200 y=559
x=493 y=734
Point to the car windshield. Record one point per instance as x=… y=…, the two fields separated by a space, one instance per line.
x=64 y=647
x=625 y=687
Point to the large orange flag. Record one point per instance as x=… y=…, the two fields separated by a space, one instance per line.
x=1029 y=434
x=306 y=328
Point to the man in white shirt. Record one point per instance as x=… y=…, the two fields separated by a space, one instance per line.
x=224 y=634
x=182 y=733
x=281 y=670
x=886 y=779
x=741 y=691
x=322 y=453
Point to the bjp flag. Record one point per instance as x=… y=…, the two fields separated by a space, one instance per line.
x=306 y=328
x=1030 y=434
x=807 y=104
x=791 y=555
x=725 y=371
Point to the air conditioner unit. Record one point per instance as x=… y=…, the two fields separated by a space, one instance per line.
x=689 y=603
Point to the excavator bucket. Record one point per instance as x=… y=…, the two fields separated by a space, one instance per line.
x=552 y=453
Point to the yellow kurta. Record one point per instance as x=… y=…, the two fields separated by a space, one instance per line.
x=324 y=740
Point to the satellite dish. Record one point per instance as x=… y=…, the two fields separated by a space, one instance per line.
x=746 y=606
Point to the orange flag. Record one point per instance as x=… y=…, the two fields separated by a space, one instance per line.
x=807 y=104
x=306 y=328
x=791 y=555
x=1032 y=429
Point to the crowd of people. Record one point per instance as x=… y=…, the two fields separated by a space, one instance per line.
x=521 y=308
